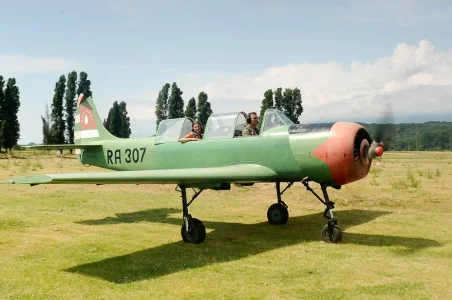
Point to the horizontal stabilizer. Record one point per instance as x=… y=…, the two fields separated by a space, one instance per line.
x=234 y=173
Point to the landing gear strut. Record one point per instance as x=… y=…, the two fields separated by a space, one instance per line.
x=193 y=230
x=331 y=232
x=277 y=213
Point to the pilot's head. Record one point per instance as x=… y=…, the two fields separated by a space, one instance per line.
x=196 y=126
x=252 y=119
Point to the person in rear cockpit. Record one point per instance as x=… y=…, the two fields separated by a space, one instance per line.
x=194 y=135
x=251 y=128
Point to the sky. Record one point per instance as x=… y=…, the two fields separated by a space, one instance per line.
x=348 y=58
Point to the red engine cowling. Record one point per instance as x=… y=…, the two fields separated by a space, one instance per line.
x=346 y=152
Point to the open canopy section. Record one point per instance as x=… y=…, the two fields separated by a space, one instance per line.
x=224 y=126
x=171 y=130
x=274 y=118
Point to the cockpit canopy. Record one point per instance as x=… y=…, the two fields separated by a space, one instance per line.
x=274 y=118
x=219 y=126
x=230 y=125
x=171 y=130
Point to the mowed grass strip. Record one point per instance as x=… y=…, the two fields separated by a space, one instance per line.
x=123 y=241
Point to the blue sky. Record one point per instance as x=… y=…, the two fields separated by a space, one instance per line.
x=347 y=57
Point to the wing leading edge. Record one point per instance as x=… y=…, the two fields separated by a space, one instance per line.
x=231 y=173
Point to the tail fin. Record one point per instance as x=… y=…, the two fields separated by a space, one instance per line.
x=88 y=126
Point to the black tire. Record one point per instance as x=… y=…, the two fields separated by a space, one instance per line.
x=196 y=233
x=336 y=237
x=277 y=214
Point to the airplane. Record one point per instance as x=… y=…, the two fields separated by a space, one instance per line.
x=330 y=155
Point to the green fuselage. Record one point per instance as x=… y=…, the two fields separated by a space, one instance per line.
x=289 y=155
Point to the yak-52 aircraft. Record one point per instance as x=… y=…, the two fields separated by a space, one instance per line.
x=331 y=155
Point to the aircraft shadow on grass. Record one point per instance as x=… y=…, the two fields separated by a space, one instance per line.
x=229 y=242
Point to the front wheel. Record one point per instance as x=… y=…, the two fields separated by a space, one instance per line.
x=332 y=236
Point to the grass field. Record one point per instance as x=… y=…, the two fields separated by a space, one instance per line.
x=123 y=241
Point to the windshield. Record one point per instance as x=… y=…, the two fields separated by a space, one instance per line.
x=164 y=125
x=172 y=130
x=274 y=118
x=220 y=126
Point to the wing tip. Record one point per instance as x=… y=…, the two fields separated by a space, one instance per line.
x=32 y=180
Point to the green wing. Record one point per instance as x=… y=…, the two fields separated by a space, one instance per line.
x=232 y=173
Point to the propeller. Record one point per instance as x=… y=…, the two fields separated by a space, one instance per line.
x=385 y=129
x=385 y=132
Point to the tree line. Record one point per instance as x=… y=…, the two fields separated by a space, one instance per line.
x=170 y=105
x=9 y=107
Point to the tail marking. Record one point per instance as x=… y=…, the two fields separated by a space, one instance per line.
x=88 y=127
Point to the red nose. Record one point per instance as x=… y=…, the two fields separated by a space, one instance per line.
x=379 y=151
x=345 y=152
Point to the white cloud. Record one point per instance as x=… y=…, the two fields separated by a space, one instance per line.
x=357 y=89
x=32 y=65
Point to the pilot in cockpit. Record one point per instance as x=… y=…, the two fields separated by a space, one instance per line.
x=251 y=128
x=194 y=135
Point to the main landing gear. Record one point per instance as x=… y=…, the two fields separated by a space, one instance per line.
x=278 y=214
x=192 y=230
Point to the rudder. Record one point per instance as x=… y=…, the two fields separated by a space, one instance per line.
x=88 y=126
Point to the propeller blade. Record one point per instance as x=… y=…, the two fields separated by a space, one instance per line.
x=385 y=130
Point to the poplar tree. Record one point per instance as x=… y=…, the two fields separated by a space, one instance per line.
x=267 y=103
x=71 y=103
x=84 y=85
x=2 y=100
x=47 y=137
x=175 y=103
x=10 y=127
x=161 y=106
x=113 y=121
x=125 y=120
x=118 y=121
x=204 y=110
x=57 y=128
x=6 y=140
x=278 y=98
x=190 y=110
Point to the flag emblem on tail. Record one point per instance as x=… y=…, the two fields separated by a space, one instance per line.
x=86 y=121
x=88 y=127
